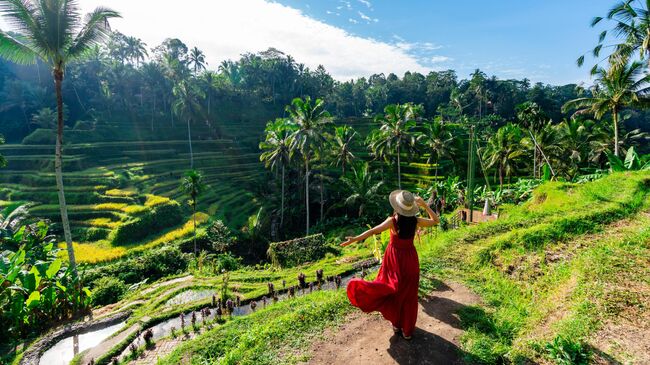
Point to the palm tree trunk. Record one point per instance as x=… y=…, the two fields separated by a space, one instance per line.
x=399 y=170
x=535 y=162
x=153 y=110
x=615 y=120
x=194 y=221
x=322 y=201
x=282 y=200
x=501 y=177
x=437 y=164
x=307 y=191
x=189 y=138
x=58 y=168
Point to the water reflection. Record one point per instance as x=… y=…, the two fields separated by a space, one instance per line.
x=63 y=351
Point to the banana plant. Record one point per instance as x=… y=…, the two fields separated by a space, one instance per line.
x=632 y=162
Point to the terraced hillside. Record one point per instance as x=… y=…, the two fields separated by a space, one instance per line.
x=109 y=184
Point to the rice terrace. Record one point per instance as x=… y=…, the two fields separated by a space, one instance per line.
x=324 y=182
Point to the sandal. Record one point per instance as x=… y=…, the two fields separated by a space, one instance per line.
x=407 y=338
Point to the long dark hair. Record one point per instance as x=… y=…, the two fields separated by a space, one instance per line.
x=405 y=226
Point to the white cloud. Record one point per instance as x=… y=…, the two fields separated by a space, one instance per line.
x=366 y=3
x=367 y=18
x=225 y=30
x=440 y=59
x=353 y=21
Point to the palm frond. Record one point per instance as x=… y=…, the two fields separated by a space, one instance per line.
x=15 y=51
x=95 y=31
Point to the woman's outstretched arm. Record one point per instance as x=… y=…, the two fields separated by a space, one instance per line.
x=375 y=230
x=433 y=217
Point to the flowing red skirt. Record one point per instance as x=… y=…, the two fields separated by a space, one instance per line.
x=394 y=292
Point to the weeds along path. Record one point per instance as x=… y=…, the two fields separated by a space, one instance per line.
x=575 y=283
x=369 y=339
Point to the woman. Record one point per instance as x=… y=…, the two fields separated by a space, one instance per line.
x=394 y=292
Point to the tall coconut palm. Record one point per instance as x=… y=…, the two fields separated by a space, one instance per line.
x=615 y=88
x=396 y=133
x=341 y=146
x=438 y=140
x=504 y=151
x=3 y=162
x=192 y=185
x=136 y=50
x=208 y=81
x=187 y=106
x=310 y=119
x=197 y=60
x=277 y=151
x=631 y=31
x=362 y=188
x=547 y=140
x=54 y=31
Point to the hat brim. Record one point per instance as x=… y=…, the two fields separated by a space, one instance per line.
x=392 y=198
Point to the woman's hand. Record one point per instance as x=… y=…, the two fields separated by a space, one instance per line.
x=350 y=240
x=419 y=201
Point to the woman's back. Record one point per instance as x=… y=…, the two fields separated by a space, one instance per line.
x=404 y=226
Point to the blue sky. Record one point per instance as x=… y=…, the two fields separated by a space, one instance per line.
x=538 y=40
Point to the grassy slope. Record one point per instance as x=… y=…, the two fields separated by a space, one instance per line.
x=562 y=264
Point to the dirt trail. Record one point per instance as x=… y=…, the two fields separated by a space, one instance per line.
x=369 y=339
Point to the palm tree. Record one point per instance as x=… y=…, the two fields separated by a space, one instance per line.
x=192 y=185
x=277 y=150
x=187 y=106
x=209 y=80
x=437 y=138
x=53 y=31
x=620 y=86
x=504 y=150
x=341 y=146
x=631 y=30
x=3 y=162
x=310 y=120
x=395 y=132
x=547 y=140
x=362 y=188
x=232 y=71
x=197 y=60
x=136 y=49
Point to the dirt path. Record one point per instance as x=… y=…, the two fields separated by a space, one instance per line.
x=369 y=339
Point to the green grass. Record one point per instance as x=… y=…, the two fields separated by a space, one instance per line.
x=507 y=263
x=273 y=335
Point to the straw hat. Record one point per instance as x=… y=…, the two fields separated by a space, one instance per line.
x=404 y=203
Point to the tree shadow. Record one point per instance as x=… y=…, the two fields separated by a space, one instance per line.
x=443 y=309
x=601 y=357
x=424 y=348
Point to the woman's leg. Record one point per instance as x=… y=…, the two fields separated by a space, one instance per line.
x=409 y=312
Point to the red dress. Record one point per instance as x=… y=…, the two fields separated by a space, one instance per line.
x=394 y=292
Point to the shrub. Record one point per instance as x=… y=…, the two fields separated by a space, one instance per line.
x=152 y=265
x=226 y=262
x=567 y=352
x=108 y=290
x=161 y=217
x=297 y=251
x=95 y=234
x=220 y=237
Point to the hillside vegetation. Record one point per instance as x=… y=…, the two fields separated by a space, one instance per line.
x=562 y=277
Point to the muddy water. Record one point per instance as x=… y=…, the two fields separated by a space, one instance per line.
x=164 y=329
x=190 y=296
x=63 y=351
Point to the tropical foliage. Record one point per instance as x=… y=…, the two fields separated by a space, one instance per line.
x=37 y=288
